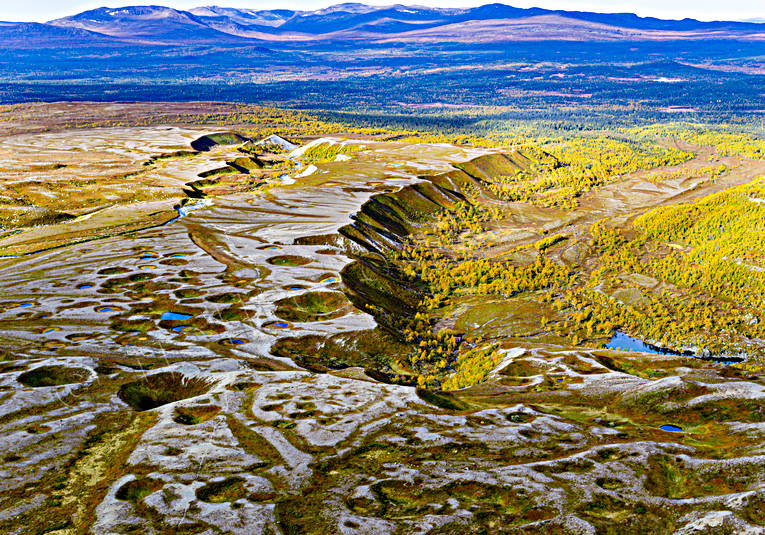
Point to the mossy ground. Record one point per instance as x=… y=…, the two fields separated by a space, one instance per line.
x=43 y=376
x=313 y=306
x=159 y=389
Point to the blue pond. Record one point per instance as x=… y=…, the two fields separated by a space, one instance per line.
x=182 y=328
x=671 y=428
x=175 y=316
x=84 y=286
x=623 y=342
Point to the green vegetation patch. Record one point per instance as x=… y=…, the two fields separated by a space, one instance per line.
x=491 y=504
x=114 y=271
x=326 y=152
x=188 y=293
x=670 y=477
x=372 y=350
x=246 y=165
x=161 y=388
x=221 y=171
x=136 y=490
x=288 y=260
x=443 y=400
x=228 y=297
x=53 y=376
x=195 y=414
x=313 y=306
x=228 y=490
x=205 y=143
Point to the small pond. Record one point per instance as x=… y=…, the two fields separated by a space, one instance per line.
x=177 y=316
x=624 y=342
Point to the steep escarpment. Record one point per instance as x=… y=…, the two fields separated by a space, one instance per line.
x=386 y=218
x=535 y=249
x=380 y=280
x=594 y=440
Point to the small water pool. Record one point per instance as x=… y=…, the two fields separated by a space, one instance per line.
x=624 y=342
x=671 y=428
x=177 y=316
x=107 y=309
x=183 y=328
x=84 y=286
x=233 y=341
x=277 y=325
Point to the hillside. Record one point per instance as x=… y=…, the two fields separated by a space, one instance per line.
x=358 y=21
x=487 y=63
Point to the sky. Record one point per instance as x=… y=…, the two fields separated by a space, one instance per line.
x=44 y=10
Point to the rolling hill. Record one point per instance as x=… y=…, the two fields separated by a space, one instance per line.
x=351 y=57
x=492 y=22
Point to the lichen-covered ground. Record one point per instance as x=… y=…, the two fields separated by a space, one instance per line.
x=216 y=373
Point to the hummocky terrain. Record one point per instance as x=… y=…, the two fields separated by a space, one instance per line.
x=207 y=328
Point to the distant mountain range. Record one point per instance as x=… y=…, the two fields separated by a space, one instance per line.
x=157 y=25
